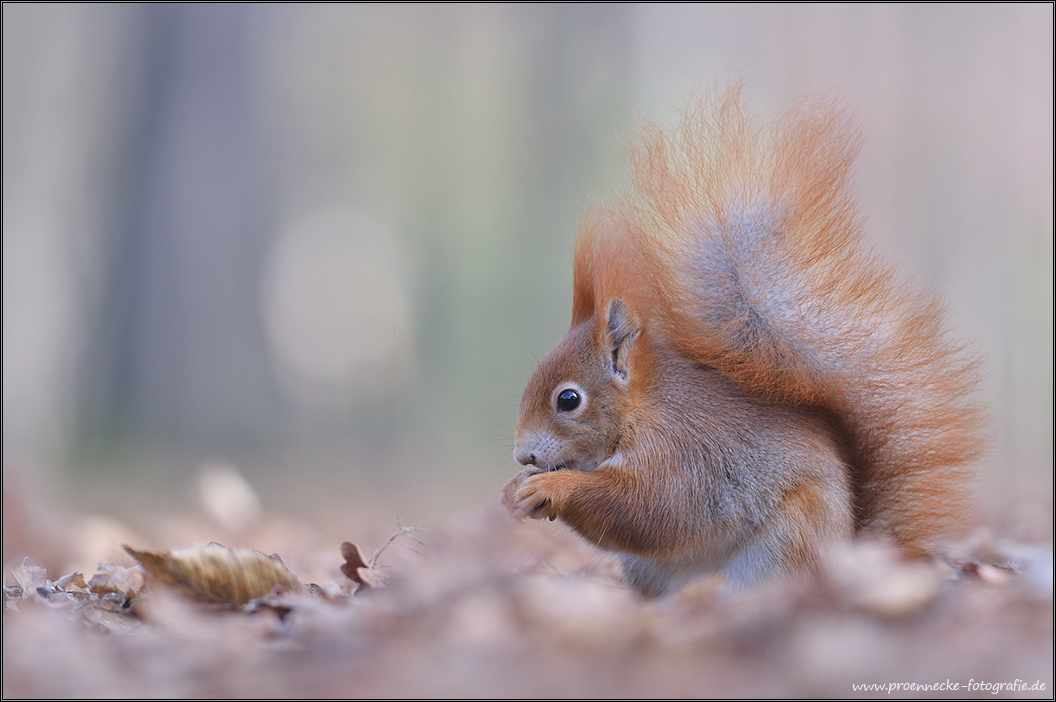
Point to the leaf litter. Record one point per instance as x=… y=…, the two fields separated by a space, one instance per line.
x=483 y=606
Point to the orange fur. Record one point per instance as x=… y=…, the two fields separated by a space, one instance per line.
x=731 y=329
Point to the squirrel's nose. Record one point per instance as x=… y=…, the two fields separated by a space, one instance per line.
x=524 y=456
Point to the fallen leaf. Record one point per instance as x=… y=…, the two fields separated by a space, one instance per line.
x=117 y=580
x=31 y=578
x=216 y=574
x=73 y=581
x=356 y=568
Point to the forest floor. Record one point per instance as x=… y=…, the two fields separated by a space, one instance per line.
x=481 y=606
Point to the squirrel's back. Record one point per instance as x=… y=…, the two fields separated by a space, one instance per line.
x=739 y=242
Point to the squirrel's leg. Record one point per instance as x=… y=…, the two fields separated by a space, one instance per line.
x=811 y=518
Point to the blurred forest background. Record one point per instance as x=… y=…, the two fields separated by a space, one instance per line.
x=326 y=244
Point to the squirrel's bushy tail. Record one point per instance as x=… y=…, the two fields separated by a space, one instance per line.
x=747 y=255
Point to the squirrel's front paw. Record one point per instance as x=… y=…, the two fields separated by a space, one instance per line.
x=526 y=496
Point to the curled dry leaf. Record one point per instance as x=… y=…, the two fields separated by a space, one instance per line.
x=117 y=580
x=356 y=567
x=31 y=578
x=73 y=581
x=105 y=601
x=216 y=574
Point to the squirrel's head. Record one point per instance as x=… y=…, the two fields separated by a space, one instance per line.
x=573 y=408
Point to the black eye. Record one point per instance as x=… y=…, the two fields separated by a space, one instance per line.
x=568 y=400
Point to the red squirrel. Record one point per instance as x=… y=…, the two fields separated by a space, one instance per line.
x=745 y=383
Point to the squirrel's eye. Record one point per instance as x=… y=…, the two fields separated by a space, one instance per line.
x=568 y=400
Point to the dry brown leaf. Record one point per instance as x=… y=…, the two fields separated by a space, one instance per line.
x=31 y=578
x=106 y=601
x=117 y=580
x=72 y=582
x=216 y=574
x=356 y=567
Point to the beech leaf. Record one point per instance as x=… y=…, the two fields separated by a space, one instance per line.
x=216 y=574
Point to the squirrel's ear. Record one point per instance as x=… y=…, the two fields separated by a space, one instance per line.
x=621 y=329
